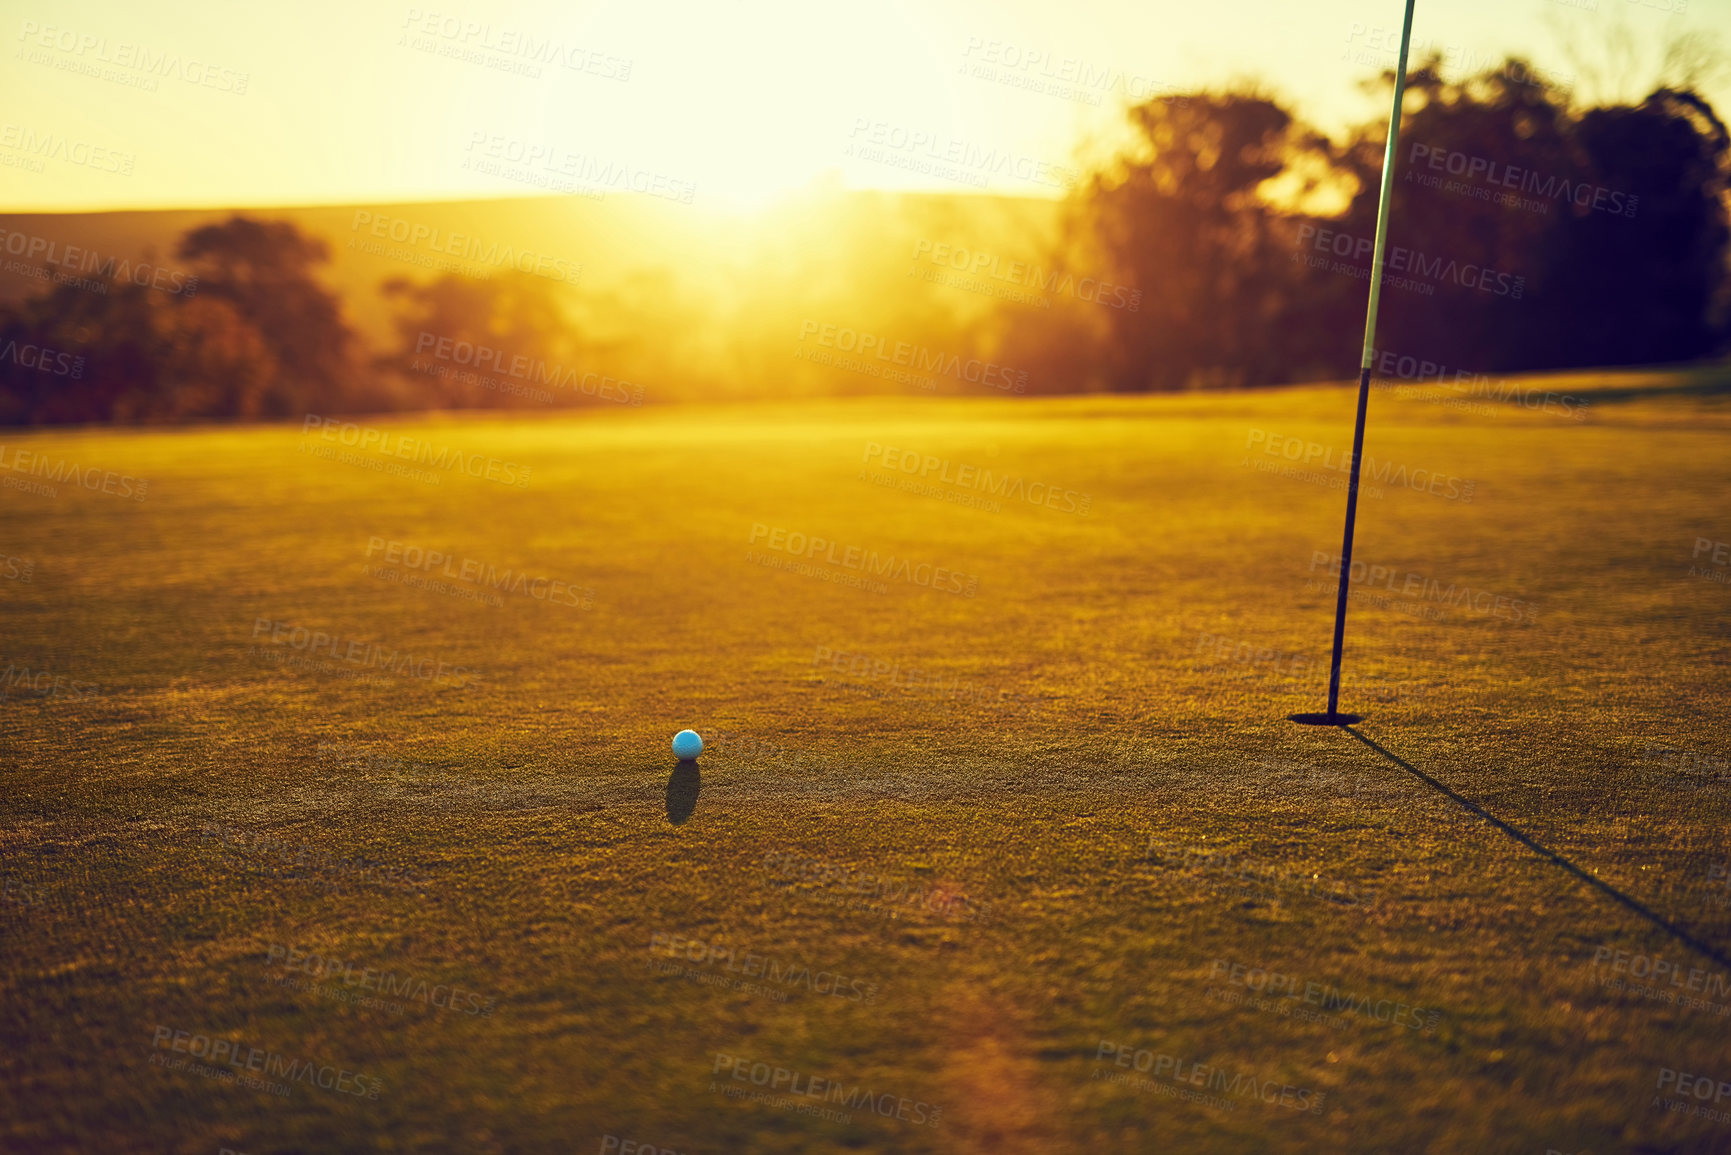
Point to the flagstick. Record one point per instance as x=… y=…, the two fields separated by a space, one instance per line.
x=1333 y=718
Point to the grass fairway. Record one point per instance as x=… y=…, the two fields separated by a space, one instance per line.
x=1048 y=837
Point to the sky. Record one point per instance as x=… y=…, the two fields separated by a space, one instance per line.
x=115 y=104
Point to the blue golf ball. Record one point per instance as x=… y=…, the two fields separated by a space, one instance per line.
x=687 y=745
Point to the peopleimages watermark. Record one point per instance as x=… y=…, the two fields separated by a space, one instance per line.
x=505 y=48
x=1309 y=778
x=13 y=889
x=789 y=1089
x=457 y=375
x=1402 y=260
x=1691 y=769
x=1307 y=476
x=359 y=757
x=36 y=465
x=422 y=785
x=1065 y=77
x=462 y=247
x=1242 y=660
x=728 y=746
x=60 y=256
x=1328 y=457
x=46 y=146
x=971 y=264
x=144 y=67
x=898 y=354
x=770 y=976
x=1719 y=879
x=560 y=169
x=15 y=677
x=1719 y=553
x=54 y=277
x=915 y=684
x=969 y=479
x=835 y=360
x=1367 y=597
x=238 y=1060
x=1367 y=576
x=26 y=163
x=1266 y=661
x=1382 y=44
x=862 y=560
x=396 y=445
x=413 y=557
x=935 y=154
x=521 y=367
x=1700 y=1088
x=1389 y=366
x=1282 y=994
x=323 y=867
x=1658 y=979
x=1249 y=877
x=1523 y=180
x=358 y=652
x=1189 y=1073
x=613 y=1145
x=1689 y=764
x=323 y=971
x=861 y=889
x=41 y=358
x=794 y=564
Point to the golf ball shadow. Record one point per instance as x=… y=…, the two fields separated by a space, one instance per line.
x=682 y=790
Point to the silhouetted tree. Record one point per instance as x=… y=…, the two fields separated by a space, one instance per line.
x=1183 y=218
x=130 y=354
x=255 y=335
x=268 y=272
x=1649 y=287
x=1543 y=237
x=502 y=342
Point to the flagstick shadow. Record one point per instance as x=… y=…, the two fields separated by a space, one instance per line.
x=1633 y=904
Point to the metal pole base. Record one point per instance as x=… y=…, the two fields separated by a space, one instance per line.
x=1324 y=719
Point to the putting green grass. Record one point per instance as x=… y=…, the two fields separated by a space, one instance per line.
x=996 y=845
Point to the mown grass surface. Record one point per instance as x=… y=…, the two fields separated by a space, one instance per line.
x=1088 y=807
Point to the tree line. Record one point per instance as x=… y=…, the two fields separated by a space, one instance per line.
x=1527 y=234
